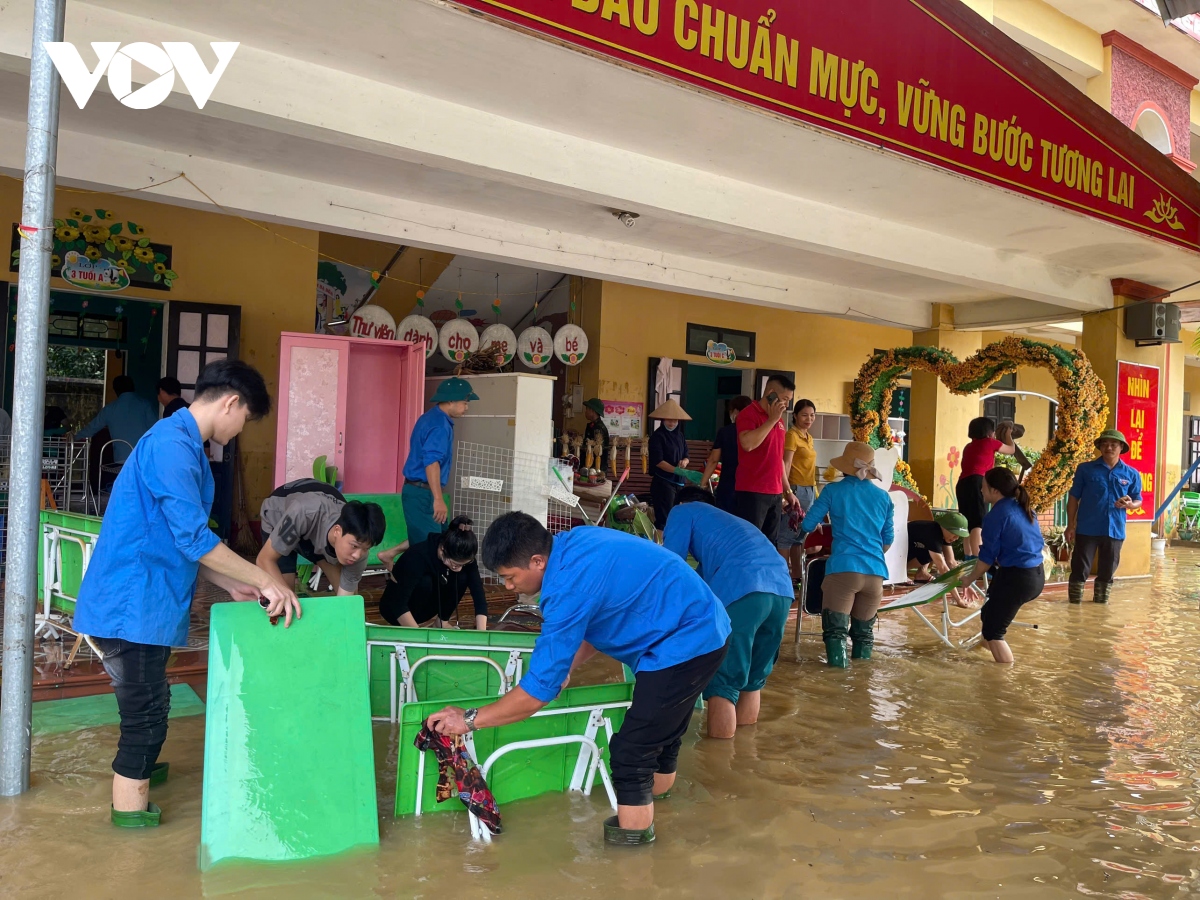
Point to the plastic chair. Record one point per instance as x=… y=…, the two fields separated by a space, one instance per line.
x=1189 y=510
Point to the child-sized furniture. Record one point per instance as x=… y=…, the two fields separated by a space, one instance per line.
x=353 y=401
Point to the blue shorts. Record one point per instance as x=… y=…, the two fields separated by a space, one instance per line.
x=758 y=620
x=786 y=537
x=418 y=514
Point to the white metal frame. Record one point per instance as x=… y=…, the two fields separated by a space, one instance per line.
x=400 y=675
x=588 y=765
x=49 y=622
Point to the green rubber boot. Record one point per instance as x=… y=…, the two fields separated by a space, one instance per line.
x=1100 y=591
x=146 y=818
x=158 y=775
x=615 y=834
x=862 y=637
x=835 y=626
x=1075 y=591
x=664 y=795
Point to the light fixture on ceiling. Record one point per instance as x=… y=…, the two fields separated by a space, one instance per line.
x=628 y=219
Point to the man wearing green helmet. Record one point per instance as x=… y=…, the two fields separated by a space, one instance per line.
x=1103 y=492
x=931 y=543
x=430 y=455
x=593 y=411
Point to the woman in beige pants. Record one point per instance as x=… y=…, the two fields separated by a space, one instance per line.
x=861 y=516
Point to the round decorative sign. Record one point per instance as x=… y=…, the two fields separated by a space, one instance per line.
x=570 y=344
x=504 y=339
x=720 y=353
x=373 y=321
x=459 y=340
x=419 y=330
x=534 y=347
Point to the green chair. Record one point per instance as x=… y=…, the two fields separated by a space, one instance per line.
x=324 y=472
x=1189 y=510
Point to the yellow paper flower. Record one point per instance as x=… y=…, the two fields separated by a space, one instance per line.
x=92 y=253
x=66 y=234
x=77 y=213
x=95 y=234
x=55 y=262
x=123 y=243
x=159 y=268
x=143 y=254
x=124 y=265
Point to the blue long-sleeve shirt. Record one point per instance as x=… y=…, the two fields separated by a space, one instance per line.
x=735 y=558
x=627 y=597
x=142 y=575
x=1009 y=538
x=432 y=442
x=861 y=515
x=127 y=418
x=1098 y=488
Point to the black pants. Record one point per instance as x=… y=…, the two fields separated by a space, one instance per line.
x=662 y=495
x=1011 y=588
x=139 y=679
x=763 y=511
x=650 y=737
x=969 y=494
x=1107 y=554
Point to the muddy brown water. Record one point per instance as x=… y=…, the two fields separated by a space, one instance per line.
x=923 y=773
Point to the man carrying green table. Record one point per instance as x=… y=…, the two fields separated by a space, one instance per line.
x=603 y=590
x=135 y=601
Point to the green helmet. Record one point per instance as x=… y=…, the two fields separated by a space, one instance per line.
x=952 y=521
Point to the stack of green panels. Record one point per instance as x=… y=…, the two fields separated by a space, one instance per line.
x=442 y=680
x=289 y=765
x=87 y=529
x=522 y=773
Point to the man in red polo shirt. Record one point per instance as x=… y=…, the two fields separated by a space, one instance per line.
x=760 y=474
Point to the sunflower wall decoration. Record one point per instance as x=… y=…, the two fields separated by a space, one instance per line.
x=1082 y=409
x=99 y=238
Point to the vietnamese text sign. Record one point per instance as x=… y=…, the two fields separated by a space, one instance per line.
x=890 y=73
x=1137 y=419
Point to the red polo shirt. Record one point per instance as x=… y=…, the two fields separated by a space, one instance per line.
x=760 y=471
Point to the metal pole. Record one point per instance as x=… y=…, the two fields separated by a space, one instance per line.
x=29 y=395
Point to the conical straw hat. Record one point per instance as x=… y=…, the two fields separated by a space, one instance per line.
x=671 y=410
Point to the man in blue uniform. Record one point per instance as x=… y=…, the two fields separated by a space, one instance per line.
x=604 y=590
x=135 y=600
x=430 y=454
x=127 y=418
x=1103 y=492
x=751 y=579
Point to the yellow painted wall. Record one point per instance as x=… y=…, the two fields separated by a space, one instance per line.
x=1099 y=88
x=826 y=353
x=219 y=259
x=1043 y=21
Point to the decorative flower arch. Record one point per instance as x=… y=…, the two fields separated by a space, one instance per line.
x=1082 y=402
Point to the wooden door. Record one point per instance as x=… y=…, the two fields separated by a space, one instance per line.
x=313 y=388
x=198 y=334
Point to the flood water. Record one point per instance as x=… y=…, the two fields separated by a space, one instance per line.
x=924 y=773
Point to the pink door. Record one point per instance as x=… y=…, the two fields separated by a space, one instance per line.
x=313 y=388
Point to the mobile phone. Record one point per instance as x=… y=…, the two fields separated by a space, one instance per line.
x=772 y=397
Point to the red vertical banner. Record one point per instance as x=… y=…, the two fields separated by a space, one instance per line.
x=1137 y=419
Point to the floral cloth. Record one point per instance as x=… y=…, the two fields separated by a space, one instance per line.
x=458 y=776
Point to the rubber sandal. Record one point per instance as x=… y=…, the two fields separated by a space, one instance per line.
x=146 y=818
x=615 y=834
x=158 y=775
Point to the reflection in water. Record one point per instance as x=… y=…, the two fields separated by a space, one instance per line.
x=923 y=773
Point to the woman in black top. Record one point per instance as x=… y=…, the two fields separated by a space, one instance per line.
x=725 y=451
x=430 y=579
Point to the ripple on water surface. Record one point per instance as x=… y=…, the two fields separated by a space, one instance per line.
x=923 y=773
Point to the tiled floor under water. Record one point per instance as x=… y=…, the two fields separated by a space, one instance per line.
x=925 y=772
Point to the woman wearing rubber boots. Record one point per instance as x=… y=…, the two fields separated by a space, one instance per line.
x=861 y=516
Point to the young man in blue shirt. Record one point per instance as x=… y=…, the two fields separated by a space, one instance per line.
x=604 y=590
x=430 y=455
x=135 y=600
x=751 y=579
x=127 y=418
x=1103 y=492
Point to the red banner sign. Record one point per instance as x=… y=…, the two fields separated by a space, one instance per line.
x=888 y=72
x=1137 y=419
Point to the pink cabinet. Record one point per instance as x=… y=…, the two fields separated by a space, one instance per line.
x=352 y=400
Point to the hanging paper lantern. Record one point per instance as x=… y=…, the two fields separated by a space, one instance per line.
x=503 y=336
x=373 y=321
x=571 y=344
x=534 y=347
x=419 y=330
x=458 y=340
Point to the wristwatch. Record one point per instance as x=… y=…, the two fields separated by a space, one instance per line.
x=469 y=718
